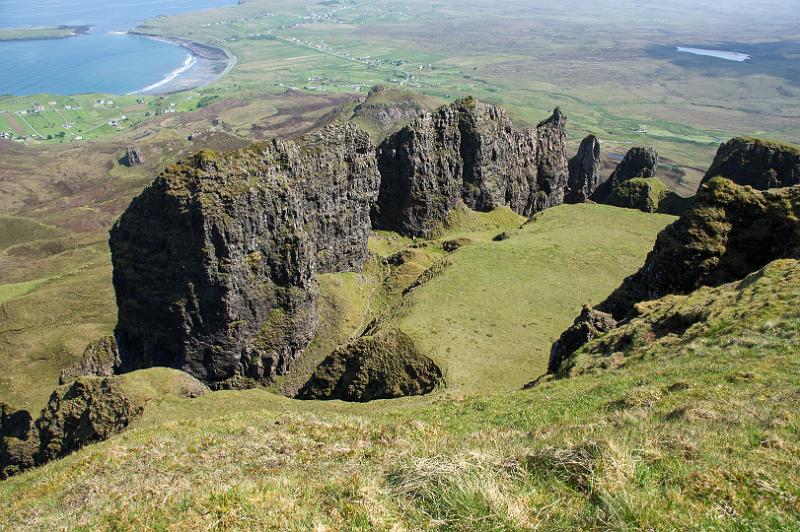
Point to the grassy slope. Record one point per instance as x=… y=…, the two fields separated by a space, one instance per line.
x=700 y=439
x=490 y=318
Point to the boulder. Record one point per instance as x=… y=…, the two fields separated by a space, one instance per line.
x=638 y=162
x=214 y=262
x=584 y=171
x=133 y=157
x=468 y=152
x=99 y=359
x=385 y=365
x=759 y=163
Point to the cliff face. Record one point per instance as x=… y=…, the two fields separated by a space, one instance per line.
x=584 y=171
x=638 y=162
x=758 y=163
x=728 y=233
x=469 y=152
x=214 y=262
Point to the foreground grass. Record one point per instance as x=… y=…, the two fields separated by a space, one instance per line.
x=698 y=431
x=706 y=441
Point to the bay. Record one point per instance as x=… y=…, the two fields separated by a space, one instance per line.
x=105 y=60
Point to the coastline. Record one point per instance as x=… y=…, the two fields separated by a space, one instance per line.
x=204 y=65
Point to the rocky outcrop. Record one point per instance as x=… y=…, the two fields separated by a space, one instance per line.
x=759 y=163
x=384 y=366
x=588 y=326
x=644 y=194
x=87 y=411
x=19 y=442
x=468 y=152
x=584 y=171
x=638 y=162
x=709 y=318
x=99 y=359
x=728 y=233
x=214 y=262
x=133 y=157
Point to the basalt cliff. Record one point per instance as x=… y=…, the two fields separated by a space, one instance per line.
x=731 y=230
x=468 y=152
x=214 y=262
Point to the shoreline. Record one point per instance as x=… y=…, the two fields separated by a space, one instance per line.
x=205 y=65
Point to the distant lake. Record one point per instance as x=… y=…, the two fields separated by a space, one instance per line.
x=105 y=60
x=721 y=54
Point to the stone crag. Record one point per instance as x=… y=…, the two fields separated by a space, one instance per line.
x=759 y=163
x=728 y=233
x=133 y=157
x=214 y=262
x=644 y=194
x=638 y=162
x=584 y=171
x=87 y=411
x=468 y=152
x=100 y=359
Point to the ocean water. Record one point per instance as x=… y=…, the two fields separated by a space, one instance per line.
x=102 y=61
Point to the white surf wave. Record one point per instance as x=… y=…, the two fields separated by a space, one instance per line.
x=188 y=63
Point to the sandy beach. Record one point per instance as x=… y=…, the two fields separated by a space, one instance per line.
x=204 y=65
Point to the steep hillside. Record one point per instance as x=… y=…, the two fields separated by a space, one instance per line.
x=701 y=437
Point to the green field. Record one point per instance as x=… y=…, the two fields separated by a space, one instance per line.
x=54 y=32
x=84 y=117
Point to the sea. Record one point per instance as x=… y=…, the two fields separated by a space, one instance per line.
x=106 y=60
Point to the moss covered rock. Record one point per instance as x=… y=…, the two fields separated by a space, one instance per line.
x=640 y=161
x=19 y=442
x=761 y=164
x=644 y=194
x=87 y=411
x=767 y=301
x=729 y=232
x=99 y=359
x=384 y=366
